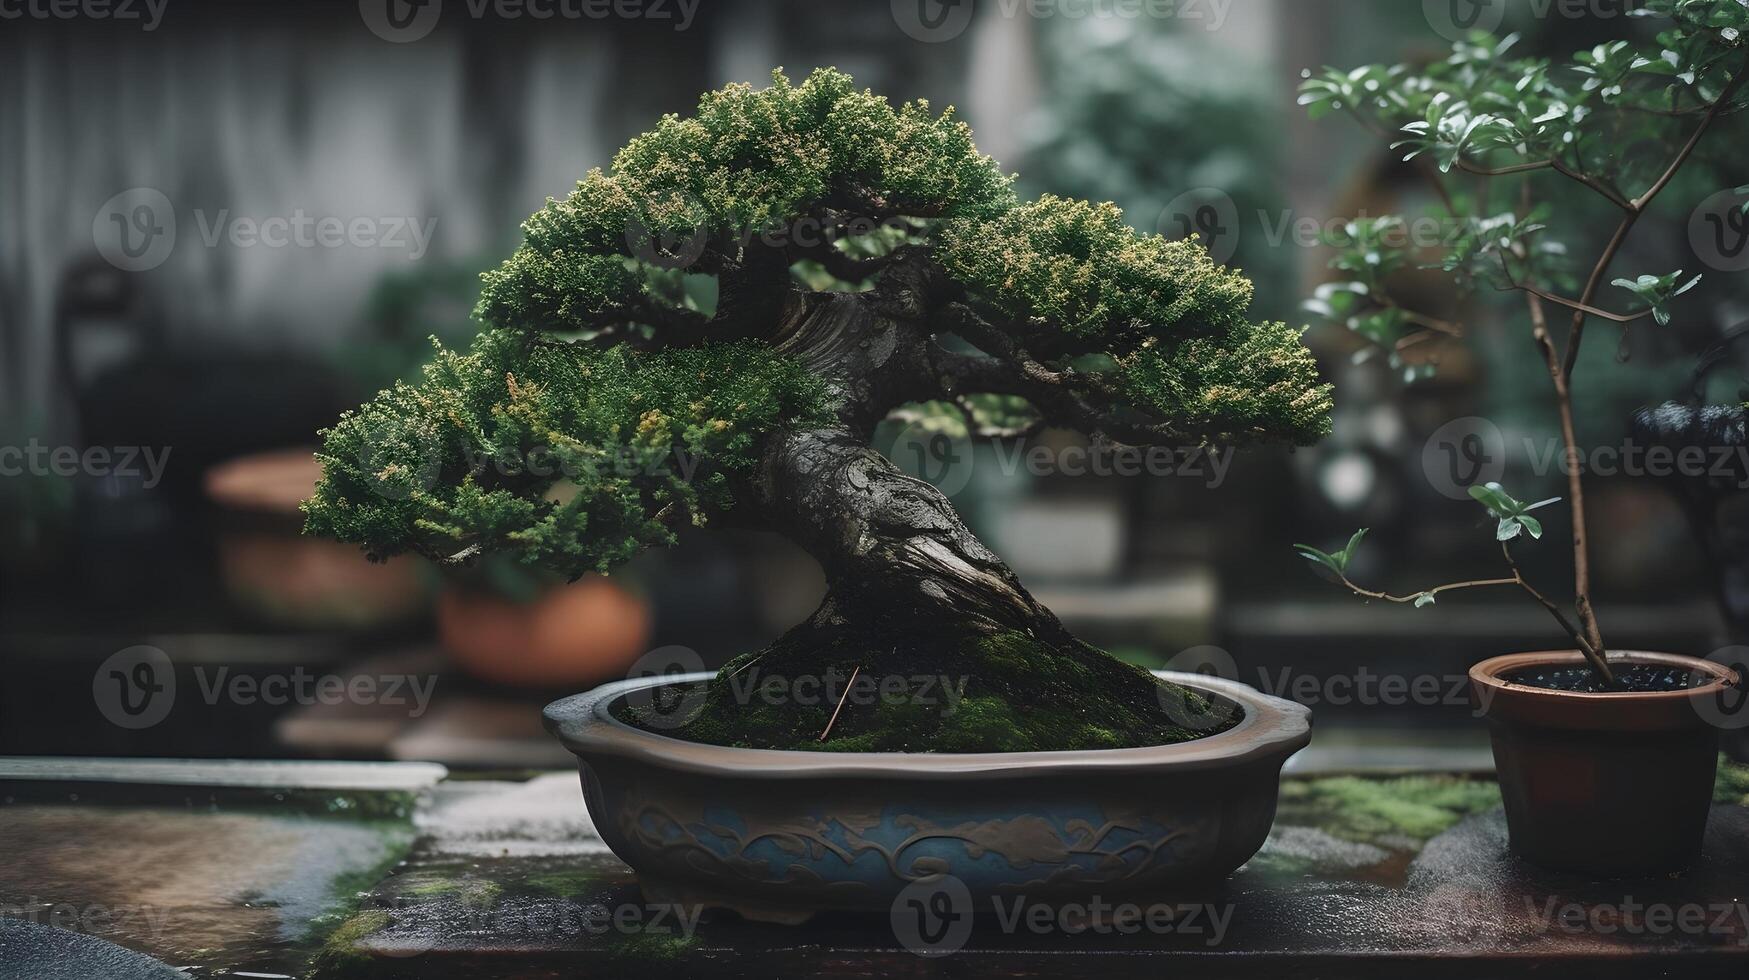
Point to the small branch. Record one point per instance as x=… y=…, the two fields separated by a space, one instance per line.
x=1449 y=587
x=841 y=699
x=1611 y=194
x=1558 y=166
x=1517 y=168
x=1598 y=662
x=1581 y=307
x=1687 y=150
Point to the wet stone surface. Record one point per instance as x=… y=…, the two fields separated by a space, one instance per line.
x=1360 y=878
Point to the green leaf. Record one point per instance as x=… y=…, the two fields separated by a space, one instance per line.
x=1508 y=529
x=1353 y=542
x=1337 y=562
x=1495 y=498
x=1531 y=524
x=1323 y=558
x=1424 y=599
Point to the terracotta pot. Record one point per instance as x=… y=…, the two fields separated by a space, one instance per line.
x=282 y=576
x=575 y=635
x=780 y=835
x=1610 y=783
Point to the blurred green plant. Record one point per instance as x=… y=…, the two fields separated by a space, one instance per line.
x=1142 y=114
x=1484 y=112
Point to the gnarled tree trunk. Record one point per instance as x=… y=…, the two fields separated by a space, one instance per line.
x=915 y=601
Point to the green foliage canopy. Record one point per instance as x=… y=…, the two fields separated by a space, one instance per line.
x=594 y=349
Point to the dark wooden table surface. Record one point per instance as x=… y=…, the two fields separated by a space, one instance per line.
x=334 y=870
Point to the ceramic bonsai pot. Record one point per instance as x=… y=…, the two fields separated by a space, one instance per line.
x=780 y=835
x=1615 y=783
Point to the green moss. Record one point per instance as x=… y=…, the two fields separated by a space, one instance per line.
x=1731 y=785
x=562 y=884
x=649 y=947
x=476 y=893
x=966 y=692
x=1415 y=808
x=339 y=953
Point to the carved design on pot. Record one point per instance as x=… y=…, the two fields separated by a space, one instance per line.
x=879 y=851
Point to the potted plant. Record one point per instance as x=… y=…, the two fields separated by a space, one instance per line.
x=509 y=624
x=1606 y=758
x=931 y=717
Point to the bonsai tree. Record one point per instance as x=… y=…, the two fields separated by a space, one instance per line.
x=708 y=333
x=1484 y=116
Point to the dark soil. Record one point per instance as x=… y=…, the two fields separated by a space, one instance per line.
x=1630 y=679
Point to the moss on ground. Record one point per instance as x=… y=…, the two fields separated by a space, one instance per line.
x=1006 y=692
x=1732 y=783
x=339 y=953
x=1408 y=808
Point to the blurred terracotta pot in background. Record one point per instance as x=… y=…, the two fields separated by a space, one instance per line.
x=581 y=634
x=276 y=573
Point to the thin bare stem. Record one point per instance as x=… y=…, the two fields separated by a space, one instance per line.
x=1513 y=283
x=1591 y=652
x=841 y=699
x=1448 y=587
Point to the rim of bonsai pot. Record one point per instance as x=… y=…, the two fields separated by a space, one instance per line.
x=1623 y=710
x=1271 y=728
